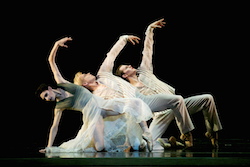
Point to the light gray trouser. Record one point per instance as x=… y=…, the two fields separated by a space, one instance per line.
x=160 y=102
x=194 y=104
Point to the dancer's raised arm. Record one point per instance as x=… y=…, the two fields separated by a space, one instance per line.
x=59 y=79
x=147 y=52
x=57 y=75
x=108 y=63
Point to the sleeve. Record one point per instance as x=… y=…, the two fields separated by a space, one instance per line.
x=63 y=104
x=147 y=52
x=108 y=63
x=69 y=87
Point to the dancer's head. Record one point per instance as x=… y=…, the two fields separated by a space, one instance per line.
x=46 y=92
x=84 y=79
x=125 y=71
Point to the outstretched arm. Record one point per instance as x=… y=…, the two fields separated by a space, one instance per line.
x=147 y=52
x=108 y=63
x=53 y=129
x=57 y=75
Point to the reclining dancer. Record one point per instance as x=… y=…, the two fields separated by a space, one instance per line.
x=145 y=80
x=94 y=110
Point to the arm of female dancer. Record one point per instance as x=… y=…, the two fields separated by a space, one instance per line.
x=108 y=63
x=147 y=52
x=53 y=129
x=57 y=75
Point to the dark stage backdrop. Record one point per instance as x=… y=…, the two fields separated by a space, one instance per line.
x=199 y=51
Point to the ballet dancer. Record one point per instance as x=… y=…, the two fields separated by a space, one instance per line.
x=147 y=83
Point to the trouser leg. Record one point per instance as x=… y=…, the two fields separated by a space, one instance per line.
x=206 y=104
x=160 y=123
x=162 y=102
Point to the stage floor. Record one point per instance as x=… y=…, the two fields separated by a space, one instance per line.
x=232 y=152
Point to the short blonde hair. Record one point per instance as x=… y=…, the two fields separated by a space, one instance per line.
x=77 y=79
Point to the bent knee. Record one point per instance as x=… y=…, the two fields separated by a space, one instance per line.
x=208 y=97
x=99 y=147
x=179 y=99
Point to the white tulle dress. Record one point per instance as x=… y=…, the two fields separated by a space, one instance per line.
x=118 y=130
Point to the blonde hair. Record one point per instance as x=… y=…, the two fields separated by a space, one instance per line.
x=77 y=79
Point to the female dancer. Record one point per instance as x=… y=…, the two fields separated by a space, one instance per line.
x=148 y=84
x=93 y=108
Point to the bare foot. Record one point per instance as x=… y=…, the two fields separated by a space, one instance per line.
x=42 y=151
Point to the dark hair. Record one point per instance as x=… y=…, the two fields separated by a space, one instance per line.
x=119 y=72
x=40 y=89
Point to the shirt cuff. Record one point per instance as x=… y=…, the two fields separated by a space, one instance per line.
x=124 y=37
x=149 y=30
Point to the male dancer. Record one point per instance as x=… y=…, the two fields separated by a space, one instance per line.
x=144 y=79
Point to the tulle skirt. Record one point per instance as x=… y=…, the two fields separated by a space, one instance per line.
x=120 y=131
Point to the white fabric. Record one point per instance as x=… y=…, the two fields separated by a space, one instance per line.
x=115 y=130
x=156 y=102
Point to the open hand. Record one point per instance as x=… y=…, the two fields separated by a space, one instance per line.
x=62 y=41
x=133 y=39
x=158 y=24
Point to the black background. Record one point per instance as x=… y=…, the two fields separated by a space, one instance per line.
x=202 y=49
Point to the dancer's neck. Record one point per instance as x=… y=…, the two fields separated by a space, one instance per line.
x=96 y=86
x=135 y=81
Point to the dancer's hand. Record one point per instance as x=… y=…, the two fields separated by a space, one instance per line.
x=62 y=41
x=158 y=24
x=42 y=151
x=133 y=39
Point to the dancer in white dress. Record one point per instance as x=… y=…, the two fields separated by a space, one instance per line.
x=145 y=80
x=92 y=135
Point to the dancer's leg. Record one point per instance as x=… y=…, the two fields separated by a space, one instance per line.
x=99 y=135
x=160 y=123
x=206 y=104
x=146 y=135
x=160 y=102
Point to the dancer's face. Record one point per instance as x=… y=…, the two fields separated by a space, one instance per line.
x=87 y=78
x=127 y=70
x=48 y=95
